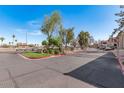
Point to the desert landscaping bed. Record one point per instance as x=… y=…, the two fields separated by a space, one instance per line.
x=34 y=55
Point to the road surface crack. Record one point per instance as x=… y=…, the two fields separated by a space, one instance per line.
x=13 y=80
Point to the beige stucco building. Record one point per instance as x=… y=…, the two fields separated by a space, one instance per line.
x=120 y=39
x=112 y=42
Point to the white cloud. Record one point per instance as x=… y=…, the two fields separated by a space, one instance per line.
x=21 y=30
x=35 y=32
x=34 y=23
x=32 y=32
x=33 y=28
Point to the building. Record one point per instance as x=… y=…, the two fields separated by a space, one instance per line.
x=112 y=42
x=120 y=39
x=117 y=41
x=21 y=45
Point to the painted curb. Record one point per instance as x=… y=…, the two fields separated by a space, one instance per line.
x=40 y=58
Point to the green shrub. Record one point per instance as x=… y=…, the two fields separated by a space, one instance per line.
x=45 y=51
x=39 y=51
x=44 y=42
x=56 y=52
x=71 y=48
x=51 y=51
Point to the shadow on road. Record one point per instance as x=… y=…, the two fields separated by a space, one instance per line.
x=101 y=72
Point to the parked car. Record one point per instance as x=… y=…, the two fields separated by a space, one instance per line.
x=102 y=47
x=20 y=50
x=109 y=48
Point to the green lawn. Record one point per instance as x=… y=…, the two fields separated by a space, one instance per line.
x=34 y=55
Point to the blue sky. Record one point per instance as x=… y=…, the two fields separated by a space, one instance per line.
x=98 y=20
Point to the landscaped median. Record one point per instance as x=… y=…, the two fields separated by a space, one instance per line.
x=35 y=55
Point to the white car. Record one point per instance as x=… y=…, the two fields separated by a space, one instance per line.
x=108 y=48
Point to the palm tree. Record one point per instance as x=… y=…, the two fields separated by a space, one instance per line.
x=16 y=41
x=9 y=43
x=2 y=39
x=13 y=36
x=83 y=39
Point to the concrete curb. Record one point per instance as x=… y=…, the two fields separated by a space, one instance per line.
x=120 y=64
x=39 y=58
x=49 y=56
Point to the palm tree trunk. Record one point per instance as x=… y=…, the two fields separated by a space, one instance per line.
x=13 y=42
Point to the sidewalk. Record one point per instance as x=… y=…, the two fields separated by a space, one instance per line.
x=120 y=57
x=6 y=50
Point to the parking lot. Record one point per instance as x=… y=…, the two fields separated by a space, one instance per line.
x=91 y=68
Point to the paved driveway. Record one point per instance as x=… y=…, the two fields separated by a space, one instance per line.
x=101 y=72
x=18 y=72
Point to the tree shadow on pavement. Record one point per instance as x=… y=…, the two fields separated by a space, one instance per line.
x=104 y=72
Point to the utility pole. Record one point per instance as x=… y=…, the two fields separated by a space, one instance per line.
x=26 y=39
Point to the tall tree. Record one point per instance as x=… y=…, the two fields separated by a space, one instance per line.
x=74 y=43
x=62 y=35
x=16 y=41
x=83 y=39
x=9 y=43
x=120 y=21
x=13 y=36
x=2 y=39
x=50 y=25
x=69 y=35
x=120 y=29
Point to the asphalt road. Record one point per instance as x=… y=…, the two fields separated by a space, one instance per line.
x=17 y=72
x=101 y=72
